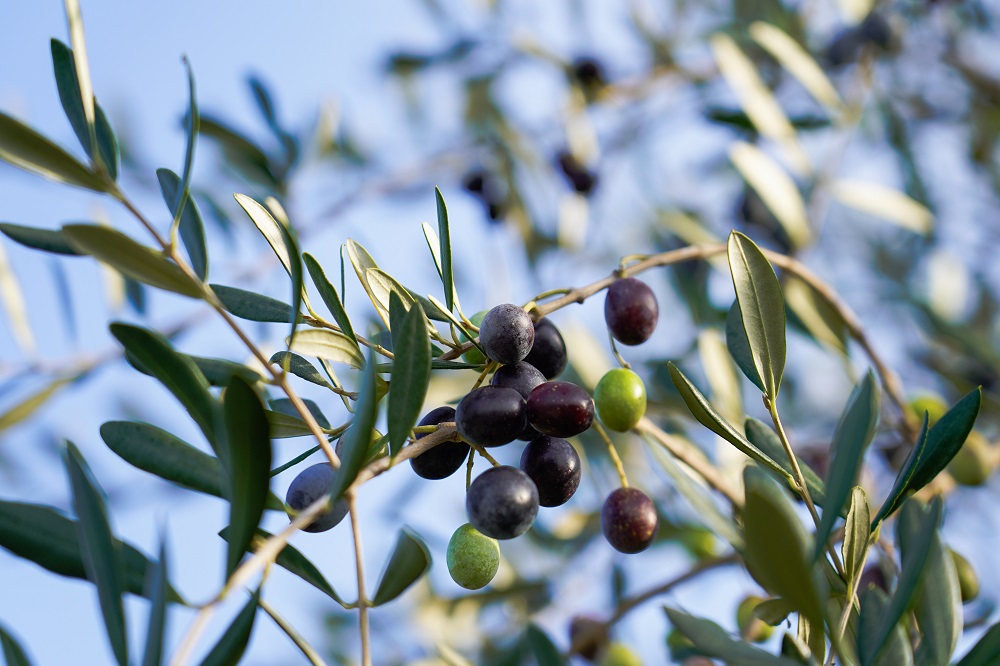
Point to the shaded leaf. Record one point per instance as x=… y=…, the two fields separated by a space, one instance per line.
x=773 y=611
x=240 y=152
x=191 y=227
x=986 y=651
x=856 y=534
x=230 y=648
x=177 y=372
x=739 y=348
x=853 y=435
x=252 y=306
x=703 y=411
x=157 y=593
x=99 y=548
x=411 y=374
x=357 y=439
x=329 y=345
x=765 y=439
x=13 y=654
x=249 y=466
x=25 y=148
x=300 y=367
x=107 y=142
x=541 y=646
x=897 y=652
x=47 y=240
x=409 y=561
x=283 y=426
x=938 y=602
x=42 y=535
x=761 y=308
x=130 y=258
x=329 y=295
x=285 y=406
x=713 y=641
x=916 y=530
x=218 y=371
x=933 y=451
x=779 y=551
x=435 y=365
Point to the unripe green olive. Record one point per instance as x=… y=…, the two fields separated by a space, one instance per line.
x=620 y=399
x=930 y=403
x=474 y=356
x=680 y=646
x=619 y=654
x=973 y=463
x=968 y=581
x=473 y=558
x=752 y=628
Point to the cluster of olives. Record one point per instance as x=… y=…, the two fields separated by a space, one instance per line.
x=525 y=401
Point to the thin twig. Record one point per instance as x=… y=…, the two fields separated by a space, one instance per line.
x=359 y=565
x=310 y=653
x=613 y=454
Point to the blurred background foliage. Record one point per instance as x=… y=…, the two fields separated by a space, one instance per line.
x=564 y=140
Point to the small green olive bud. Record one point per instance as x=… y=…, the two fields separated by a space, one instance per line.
x=752 y=628
x=973 y=463
x=619 y=654
x=968 y=581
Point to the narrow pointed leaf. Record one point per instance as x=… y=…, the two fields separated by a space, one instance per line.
x=284 y=426
x=986 y=652
x=329 y=295
x=285 y=406
x=293 y=561
x=230 y=648
x=397 y=313
x=131 y=258
x=934 y=450
x=157 y=594
x=739 y=348
x=411 y=374
x=713 y=641
x=218 y=371
x=897 y=651
x=64 y=67
x=101 y=558
x=294 y=270
x=850 y=440
x=362 y=263
x=434 y=245
x=42 y=535
x=31 y=404
x=703 y=411
x=107 y=142
x=916 y=530
x=252 y=306
x=762 y=309
x=329 y=345
x=177 y=372
x=249 y=466
x=12 y=652
x=160 y=453
x=47 y=240
x=775 y=188
x=191 y=227
x=938 y=605
x=183 y=210
x=268 y=227
x=541 y=646
x=358 y=437
x=766 y=440
x=26 y=149
x=857 y=531
x=444 y=232
x=300 y=367
x=409 y=561
x=12 y=297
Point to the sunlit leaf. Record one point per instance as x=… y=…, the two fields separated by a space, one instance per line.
x=857 y=531
x=850 y=440
x=329 y=345
x=822 y=321
x=249 y=466
x=884 y=202
x=411 y=374
x=28 y=406
x=269 y=229
x=776 y=189
x=131 y=258
x=721 y=374
x=99 y=548
x=798 y=62
x=409 y=561
x=362 y=263
x=757 y=100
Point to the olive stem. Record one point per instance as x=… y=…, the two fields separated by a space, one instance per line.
x=481 y=451
x=482 y=375
x=614 y=350
x=613 y=453
x=468 y=468
x=310 y=653
x=359 y=565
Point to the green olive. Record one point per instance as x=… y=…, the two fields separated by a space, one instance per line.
x=973 y=463
x=968 y=581
x=474 y=356
x=752 y=628
x=473 y=558
x=618 y=654
x=620 y=399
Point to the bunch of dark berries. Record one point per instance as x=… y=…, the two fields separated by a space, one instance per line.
x=525 y=401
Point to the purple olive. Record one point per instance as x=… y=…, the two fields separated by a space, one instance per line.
x=630 y=311
x=628 y=520
x=560 y=409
